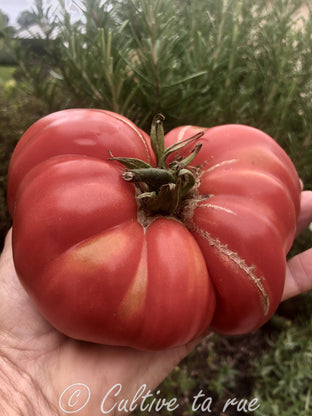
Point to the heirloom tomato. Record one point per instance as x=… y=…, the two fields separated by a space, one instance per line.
x=125 y=239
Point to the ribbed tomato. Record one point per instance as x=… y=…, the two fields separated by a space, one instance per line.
x=244 y=220
x=185 y=238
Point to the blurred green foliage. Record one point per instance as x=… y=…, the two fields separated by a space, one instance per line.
x=198 y=62
x=283 y=378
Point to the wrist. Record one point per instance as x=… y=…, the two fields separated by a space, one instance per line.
x=19 y=392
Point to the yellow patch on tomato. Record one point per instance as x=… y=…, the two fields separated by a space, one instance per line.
x=134 y=299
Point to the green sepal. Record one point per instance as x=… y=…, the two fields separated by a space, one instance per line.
x=181 y=164
x=162 y=202
x=187 y=181
x=163 y=187
x=157 y=137
x=179 y=145
x=130 y=163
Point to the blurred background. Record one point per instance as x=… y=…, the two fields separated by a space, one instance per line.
x=201 y=62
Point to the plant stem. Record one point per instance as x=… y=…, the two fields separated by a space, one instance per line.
x=161 y=189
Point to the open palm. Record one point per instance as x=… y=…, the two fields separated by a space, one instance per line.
x=37 y=363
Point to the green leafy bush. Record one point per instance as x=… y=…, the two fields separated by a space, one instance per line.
x=198 y=62
x=283 y=378
x=207 y=63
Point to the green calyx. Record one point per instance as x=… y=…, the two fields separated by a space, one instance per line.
x=161 y=189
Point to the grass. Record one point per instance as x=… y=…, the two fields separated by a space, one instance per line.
x=6 y=74
x=282 y=376
x=210 y=63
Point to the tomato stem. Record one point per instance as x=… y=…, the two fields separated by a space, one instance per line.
x=161 y=189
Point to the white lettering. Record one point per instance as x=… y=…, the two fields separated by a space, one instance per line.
x=172 y=404
x=148 y=406
x=252 y=403
x=136 y=397
x=79 y=398
x=200 y=394
x=125 y=405
x=242 y=405
x=229 y=402
x=105 y=412
x=77 y=394
x=205 y=406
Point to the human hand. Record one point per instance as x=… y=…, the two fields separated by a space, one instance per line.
x=299 y=268
x=37 y=363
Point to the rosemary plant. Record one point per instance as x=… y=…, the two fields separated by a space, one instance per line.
x=197 y=62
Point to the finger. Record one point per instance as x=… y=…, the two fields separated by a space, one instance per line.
x=163 y=362
x=305 y=216
x=298 y=275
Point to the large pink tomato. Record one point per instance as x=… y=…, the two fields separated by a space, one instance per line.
x=125 y=239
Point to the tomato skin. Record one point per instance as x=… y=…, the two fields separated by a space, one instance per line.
x=246 y=225
x=91 y=133
x=112 y=274
x=78 y=198
x=98 y=273
x=132 y=297
x=79 y=250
